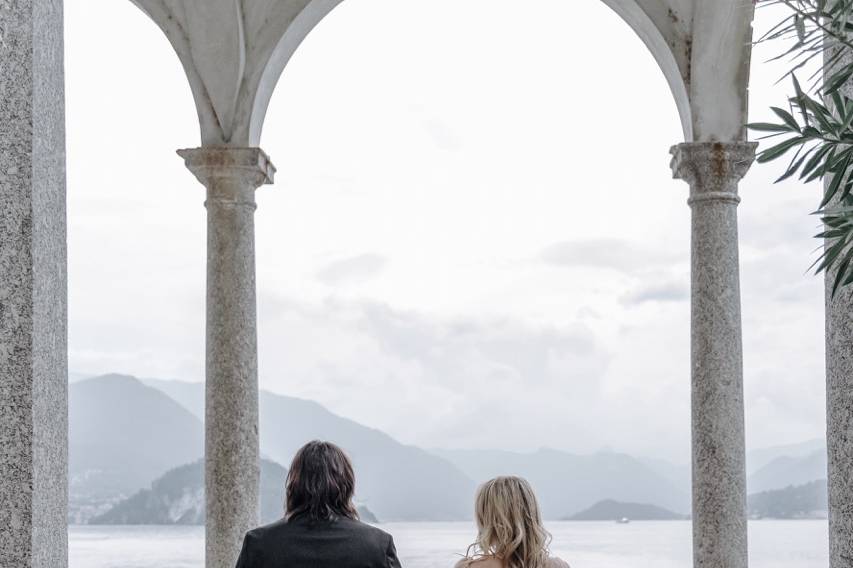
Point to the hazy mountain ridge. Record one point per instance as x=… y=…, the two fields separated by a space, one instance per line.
x=774 y=467
x=126 y=434
x=177 y=498
x=679 y=474
x=760 y=457
x=395 y=481
x=122 y=435
x=786 y=471
x=566 y=482
x=610 y=510
x=807 y=501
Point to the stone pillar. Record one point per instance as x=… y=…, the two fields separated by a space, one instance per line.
x=839 y=422
x=839 y=402
x=232 y=466
x=713 y=171
x=33 y=337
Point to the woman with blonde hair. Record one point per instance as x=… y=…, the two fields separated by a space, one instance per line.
x=510 y=533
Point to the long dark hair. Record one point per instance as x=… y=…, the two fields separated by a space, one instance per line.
x=320 y=483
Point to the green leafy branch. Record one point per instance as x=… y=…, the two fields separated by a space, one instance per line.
x=815 y=28
x=818 y=126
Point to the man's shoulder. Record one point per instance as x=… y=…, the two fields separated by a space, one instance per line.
x=272 y=528
x=283 y=526
x=363 y=528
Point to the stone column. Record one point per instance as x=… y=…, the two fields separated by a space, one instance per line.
x=839 y=403
x=232 y=466
x=33 y=336
x=713 y=171
x=839 y=422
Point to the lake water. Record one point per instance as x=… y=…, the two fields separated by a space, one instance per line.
x=773 y=544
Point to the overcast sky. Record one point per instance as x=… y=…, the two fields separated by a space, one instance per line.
x=473 y=240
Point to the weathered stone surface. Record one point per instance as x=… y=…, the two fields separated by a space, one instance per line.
x=233 y=77
x=713 y=171
x=720 y=51
x=839 y=407
x=703 y=49
x=232 y=454
x=33 y=351
x=839 y=422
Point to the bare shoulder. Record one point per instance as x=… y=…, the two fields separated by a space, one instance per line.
x=555 y=562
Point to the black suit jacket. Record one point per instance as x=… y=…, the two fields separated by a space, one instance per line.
x=302 y=543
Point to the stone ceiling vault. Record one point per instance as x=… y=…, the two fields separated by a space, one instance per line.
x=234 y=51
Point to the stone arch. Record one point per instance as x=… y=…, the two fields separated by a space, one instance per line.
x=667 y=44
x=702 y=48
x=313 y=13
x=660 y=27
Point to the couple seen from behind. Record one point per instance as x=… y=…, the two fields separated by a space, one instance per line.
x=321 y=528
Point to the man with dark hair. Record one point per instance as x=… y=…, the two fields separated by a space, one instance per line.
x=320 y=528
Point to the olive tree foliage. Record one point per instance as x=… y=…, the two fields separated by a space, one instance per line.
x=815 y=132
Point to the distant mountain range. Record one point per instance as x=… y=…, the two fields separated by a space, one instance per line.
x=807 y=501
x=129 y=433
x=769 y=468
x=785 y=471
x=397 y=482
x=759 y=458
x=177 y=498
x=125 y=434
x=566 y=483
x=610 y=510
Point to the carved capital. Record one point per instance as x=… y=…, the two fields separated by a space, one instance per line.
x=231 y=175
x=712 y=169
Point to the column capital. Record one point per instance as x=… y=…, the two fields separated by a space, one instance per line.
x=712 y=169
x=246 y=165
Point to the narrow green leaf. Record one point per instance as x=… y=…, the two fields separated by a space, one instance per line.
x=838 y=176
x=779 y=149
x=768 y=127
x=787 y=118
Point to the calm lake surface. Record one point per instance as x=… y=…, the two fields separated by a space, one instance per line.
x=773 y=544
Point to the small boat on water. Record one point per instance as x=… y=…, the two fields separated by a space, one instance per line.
x=623 y=520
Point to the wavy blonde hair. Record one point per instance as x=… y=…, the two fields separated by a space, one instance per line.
x=509 y=525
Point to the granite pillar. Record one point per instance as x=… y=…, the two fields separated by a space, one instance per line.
x=839 y=422
x=232 y=467
x=33 y=337
x=839 y=404
x=713 y=171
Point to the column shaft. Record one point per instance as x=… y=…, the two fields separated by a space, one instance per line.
x=232 y=455
x=839 y=401
x=713 y=171
x=33 y=337
x=839 y=422
x=231 y=396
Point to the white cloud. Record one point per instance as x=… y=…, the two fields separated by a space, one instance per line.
x=464 y=382
x=615 y=254
x=658 y=292
x=352 y=269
